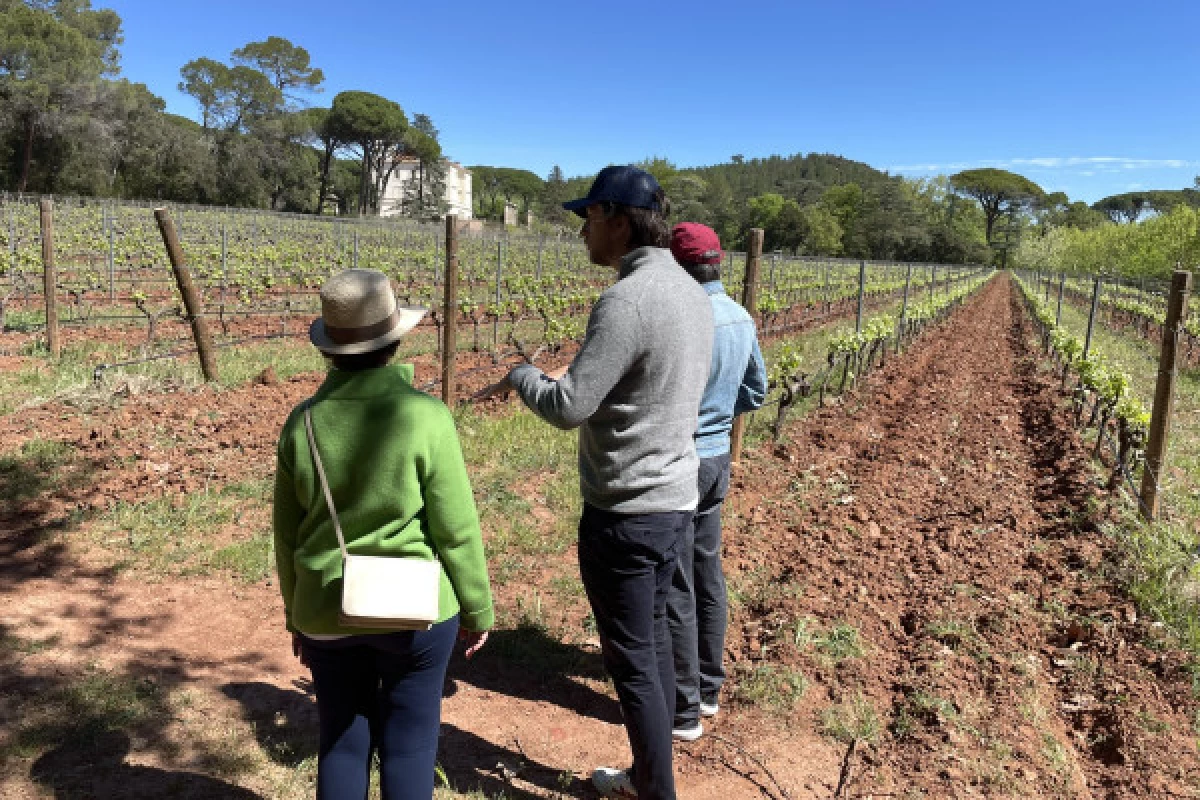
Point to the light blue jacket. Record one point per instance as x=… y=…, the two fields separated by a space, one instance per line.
x=737 y=377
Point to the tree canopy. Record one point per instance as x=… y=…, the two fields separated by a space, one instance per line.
x=376 y=127
x=286 y=64
x=53 y=54
x=70 y=124
x=998 y=191
x=1123 y=207
x=494 y=186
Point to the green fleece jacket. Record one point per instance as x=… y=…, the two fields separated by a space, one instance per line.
x=399 y=484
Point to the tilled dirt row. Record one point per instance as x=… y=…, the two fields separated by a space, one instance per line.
x=170 y=442
x=949 y=516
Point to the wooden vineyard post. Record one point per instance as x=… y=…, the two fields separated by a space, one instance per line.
x=191 y=298
x=499 y=280
x=862 y=289
x=903 y=308
x=112 y=265
x=12 y=237
x=1062 y=284
x=749 y=302
x=450 y=310
x=828 y=290
x=437 y=256
x=224 y=269
x=1164 y=392
x=1087 y=342
x=49 y=276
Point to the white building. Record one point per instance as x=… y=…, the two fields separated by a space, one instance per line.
x=458 y=188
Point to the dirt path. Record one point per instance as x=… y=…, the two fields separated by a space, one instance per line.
x=950 y=518
x=918 y=567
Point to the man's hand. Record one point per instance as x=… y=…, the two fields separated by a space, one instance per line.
x=557 y=373
x=473 y=640
x=501 y=387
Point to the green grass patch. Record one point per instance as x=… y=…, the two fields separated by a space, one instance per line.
x=759 y=589
x=239 y=365
x=38 y=467
x=954 y=633
x=839 y=643
x=82 y=710
x=10 y=643
x=921 y=709
x=72 y=376
x=854 y=719
x=24 y=319
x=772 y=687
x=832 y=645
x=1056 y=755
x=175 y=535
x=517 y=462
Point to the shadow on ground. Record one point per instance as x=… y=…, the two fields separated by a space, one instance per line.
x=97 y=769
x=284 y=720
x=285 y=724
x=70 y=723
x=527 y=662
x=40 y=488
x=471 y=763
x=71 y=729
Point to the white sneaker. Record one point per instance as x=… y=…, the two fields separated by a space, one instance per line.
x=709 y=709
x=688 y=734
x=614 y=783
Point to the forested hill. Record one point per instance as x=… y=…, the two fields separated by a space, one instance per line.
x=822 y=204
x=802 y=178
x=815 y=204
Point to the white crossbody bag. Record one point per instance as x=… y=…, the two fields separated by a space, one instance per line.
x=384 y=592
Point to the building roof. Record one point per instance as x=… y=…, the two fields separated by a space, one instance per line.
x=407 y=159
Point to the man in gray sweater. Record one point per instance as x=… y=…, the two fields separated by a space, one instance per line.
x=634 y=392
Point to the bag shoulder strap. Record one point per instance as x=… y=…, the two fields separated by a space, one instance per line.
x=312 y=446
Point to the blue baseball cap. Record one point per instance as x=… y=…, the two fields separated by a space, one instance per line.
x=627 y=186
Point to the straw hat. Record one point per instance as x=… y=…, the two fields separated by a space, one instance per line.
x=359 y=314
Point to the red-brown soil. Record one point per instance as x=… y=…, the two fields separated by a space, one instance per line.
x=946 y=511
x=142 y=445
x=944 y=514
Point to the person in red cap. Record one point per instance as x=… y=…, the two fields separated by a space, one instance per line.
x=737 y=382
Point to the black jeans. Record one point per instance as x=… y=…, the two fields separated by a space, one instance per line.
x=626 y=562
x=380 y=692
x=697 y=606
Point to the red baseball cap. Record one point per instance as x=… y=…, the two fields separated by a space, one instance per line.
x=693 y=243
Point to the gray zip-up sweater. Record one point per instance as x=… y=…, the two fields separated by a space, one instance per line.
x=634 y=388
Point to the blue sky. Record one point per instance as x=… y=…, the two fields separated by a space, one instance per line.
x=1090 y=98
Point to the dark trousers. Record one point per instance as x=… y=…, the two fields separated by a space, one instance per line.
x=626 y=562
x=384 y=693
x=697 y=606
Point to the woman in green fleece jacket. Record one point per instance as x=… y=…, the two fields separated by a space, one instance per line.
x=399 y=486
